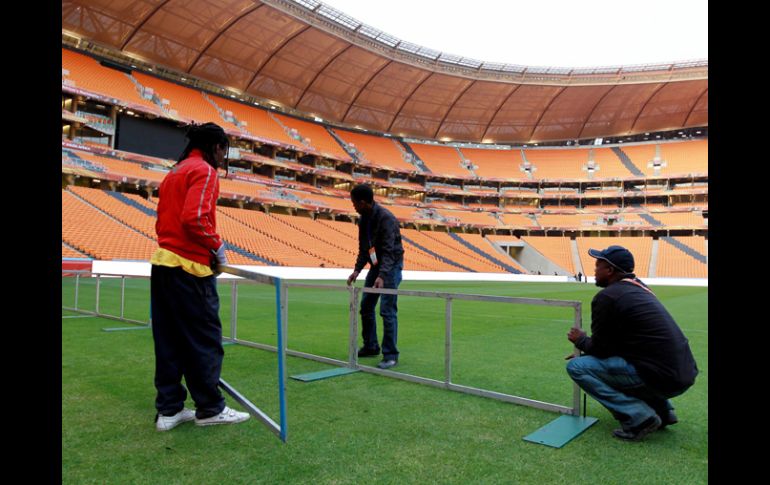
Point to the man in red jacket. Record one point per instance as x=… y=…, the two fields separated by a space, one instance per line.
x=184 y=299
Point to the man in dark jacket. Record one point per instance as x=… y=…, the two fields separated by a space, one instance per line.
x=636 y=358
x=379 y=244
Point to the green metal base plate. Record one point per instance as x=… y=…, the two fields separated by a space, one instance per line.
x=314 y=376
x=561 y=430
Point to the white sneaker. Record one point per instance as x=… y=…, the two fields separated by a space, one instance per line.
x=227 y=416
x=165 y=423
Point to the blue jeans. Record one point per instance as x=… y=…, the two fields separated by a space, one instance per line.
x=617 y=386
x=388 y=312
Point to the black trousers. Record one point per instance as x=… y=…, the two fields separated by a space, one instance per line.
x=188 y=341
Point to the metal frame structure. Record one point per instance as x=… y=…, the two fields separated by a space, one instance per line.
x=281 y=298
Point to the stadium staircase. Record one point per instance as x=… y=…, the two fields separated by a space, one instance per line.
x=436 y=255
x=353 y=153
x=132 y=203
x=248 y=254
x=626 y=161
x=301 y=139
x=412 y=157
x=484 y=255
x=232 y=119
x=81 y=162
x=685 y=249
x=80 y=251
x=154 y=98
x=652 y=273
x=527 y=172
x=467 y=164
x=650 y=219
x=578 y=264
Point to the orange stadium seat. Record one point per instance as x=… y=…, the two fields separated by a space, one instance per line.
x=258 y=122
x=496 y=164
x=379 y=151
x=557 y=249
x=555 y=164
x=673 y=262
x=86 y=73
x=442 y=160
x=189 y=103
x=320 y=139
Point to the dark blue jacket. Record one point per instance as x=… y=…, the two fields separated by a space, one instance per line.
x=629 y=321
x=380 y=229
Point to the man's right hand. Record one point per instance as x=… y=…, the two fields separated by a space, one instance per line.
x=218 y=258
x=352 y=278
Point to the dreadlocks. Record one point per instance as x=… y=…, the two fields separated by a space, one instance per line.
x=205 y=137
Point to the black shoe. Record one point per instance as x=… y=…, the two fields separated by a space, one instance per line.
x=364 y=352
x=667 y=419
x=387 y=364
x=637 y=434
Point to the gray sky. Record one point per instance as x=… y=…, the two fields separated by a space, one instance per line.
x=588 y=33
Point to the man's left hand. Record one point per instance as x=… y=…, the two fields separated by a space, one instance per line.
x=575 y=334
x=379 y=283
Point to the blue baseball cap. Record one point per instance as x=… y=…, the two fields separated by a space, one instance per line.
x=618 y=256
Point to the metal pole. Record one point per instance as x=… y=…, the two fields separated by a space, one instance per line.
x=281 y=293
x=576 y=389
x=448 y=343
x=98 y=281
x=250 y=407
x=233 y=309
x=353 y=337
x=122 y=294
x=77 y=288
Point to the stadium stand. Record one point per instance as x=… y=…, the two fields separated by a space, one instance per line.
x=259 y=124
x=69 y=252
x=447 y=186
x=673 y=261
x=685 y=157
x=91 y=231
x=557 y=164
x=378 y=151
x=190 y=104
x=316 y=136
x=87 y=74
x=609 y=165
x=495 y=164
x=557 y=249
x=442 y=160
x=484 y=245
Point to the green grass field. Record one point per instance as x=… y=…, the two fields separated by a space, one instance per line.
x=364 y=428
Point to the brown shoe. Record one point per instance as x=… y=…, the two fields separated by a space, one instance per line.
x=638 y=433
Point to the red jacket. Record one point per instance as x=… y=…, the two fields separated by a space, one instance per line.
x=187 y=223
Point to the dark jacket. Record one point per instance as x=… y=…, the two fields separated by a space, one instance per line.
x=629 y=321
x=380 y=229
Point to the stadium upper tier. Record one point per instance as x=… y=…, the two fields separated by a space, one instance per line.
x=83 y=75
x=306 y=57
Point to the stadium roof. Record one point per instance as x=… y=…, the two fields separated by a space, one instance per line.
x=310 y=57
